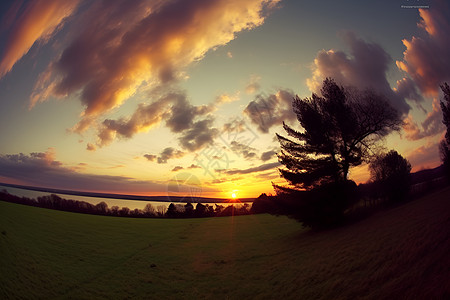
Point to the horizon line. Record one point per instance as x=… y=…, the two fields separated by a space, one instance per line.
x=161 y=198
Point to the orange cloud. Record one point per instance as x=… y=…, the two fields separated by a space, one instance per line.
x=41 y=169
x=226 y=98
x=177 y=168
x=121 y=47
x=424 y=157
x=90 y=147
x=38 y=21
x=432 y=125
x=253 y=86
x=179 y=115
x=426 y=58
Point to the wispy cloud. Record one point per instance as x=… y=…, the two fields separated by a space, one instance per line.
x=150 y=157
x=260 y=168
x=227 y=98
x=192 y=166
x=165 y=155
x=177 y=168
x=432 y=125
x=118 y=47
x=201 y=133
x=91 y=147
x=35 y=21
x=169 y=153
x=253 y=85
x=42 y=169
x=243 y=150
x=144 y=117
x=423 y=157
x=265 y=156
x=271 y=110
x=193 y=124
x=407 y=89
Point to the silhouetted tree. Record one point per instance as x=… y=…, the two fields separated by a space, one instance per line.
x=102 y=208
x=244 y=209
x=209 y=210
x=444 y=146
x=124 y=211
x=339 y=129
x=263 y=204
x=136 y=213
x=161 y=210
x=321 y=207
x=392 y=175
x=200 y=210
x=218 y=209
x=228 y=211
x=149 y=210
x=188 y=210
x=115 y=210
x=172 y=211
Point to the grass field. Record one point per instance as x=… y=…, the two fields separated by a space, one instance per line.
x=401 y=253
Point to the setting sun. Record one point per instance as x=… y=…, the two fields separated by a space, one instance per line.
x=205 y=136
x=295 y=149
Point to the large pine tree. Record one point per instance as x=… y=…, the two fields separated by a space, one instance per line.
x=339 y=128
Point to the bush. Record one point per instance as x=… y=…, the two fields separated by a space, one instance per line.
x=263 y=204
x=391 y=173
x=321 y=207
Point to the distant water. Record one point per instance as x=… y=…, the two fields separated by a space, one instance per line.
x=131 y=204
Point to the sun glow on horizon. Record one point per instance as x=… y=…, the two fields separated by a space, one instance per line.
x=162 y=124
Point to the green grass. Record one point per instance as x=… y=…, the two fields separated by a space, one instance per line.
x=397 y=253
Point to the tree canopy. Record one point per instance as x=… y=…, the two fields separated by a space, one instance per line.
x=389 y=165
x=340 y=128
x=391 y=173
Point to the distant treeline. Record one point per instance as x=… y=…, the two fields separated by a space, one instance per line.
x=364 y=198
x=178 y=210
x=166 y=198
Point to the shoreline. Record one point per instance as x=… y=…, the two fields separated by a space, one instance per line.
x=128 y=197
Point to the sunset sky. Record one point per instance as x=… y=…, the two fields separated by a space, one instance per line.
x=132 y=96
